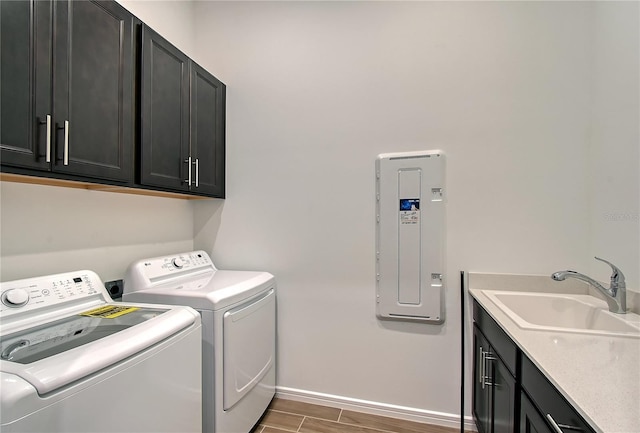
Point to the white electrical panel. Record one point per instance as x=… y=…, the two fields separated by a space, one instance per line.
x=410 y=199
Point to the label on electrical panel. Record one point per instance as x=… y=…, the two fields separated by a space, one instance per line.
x=409 y=211
x=109 y=311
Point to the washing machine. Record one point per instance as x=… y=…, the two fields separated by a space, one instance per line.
x=72 y=360
x=238 y=310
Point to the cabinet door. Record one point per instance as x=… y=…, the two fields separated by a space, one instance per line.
x=481 y=402
x=207 y=139
x=93 y=89
x=530 y=420
x=503 y=390
x=165 y=114
x=25 y=87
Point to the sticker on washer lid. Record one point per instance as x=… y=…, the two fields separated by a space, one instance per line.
x=109 y=311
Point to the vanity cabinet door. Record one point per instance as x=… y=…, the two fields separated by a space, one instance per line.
x=481 y=397
x=494 y=383
x=551 y=405
x=503 y=390
x=530 y=419
x=494 y=389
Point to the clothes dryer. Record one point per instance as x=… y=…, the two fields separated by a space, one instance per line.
x=238 y=310
x=72 y=360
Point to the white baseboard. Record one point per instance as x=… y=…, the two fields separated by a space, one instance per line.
x=375 y=408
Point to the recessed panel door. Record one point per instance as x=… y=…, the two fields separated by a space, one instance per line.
x=165 y=160
x=26 y=113
x=93 y=90
x=249 y=346
x=207 y=132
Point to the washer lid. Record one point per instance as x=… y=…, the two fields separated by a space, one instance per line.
x=57 y=353
x=212 y=290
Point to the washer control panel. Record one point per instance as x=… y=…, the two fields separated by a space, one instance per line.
x=33 y=293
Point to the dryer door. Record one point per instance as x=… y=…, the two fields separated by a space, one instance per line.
x=249 y=345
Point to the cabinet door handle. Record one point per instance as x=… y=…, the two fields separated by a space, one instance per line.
x=188 y=162
x=48 y=154
x=65 y=157
x=197 y=172
x=488 y=380
x=481 y=367
x=560 y=428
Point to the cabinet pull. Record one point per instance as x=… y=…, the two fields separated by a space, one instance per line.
x=197 y=172
x=47 y=123
x=48 y=154
x=65 y=157
x=481 y=375
x=188 y=162
x=488 y=380
x=560 y=428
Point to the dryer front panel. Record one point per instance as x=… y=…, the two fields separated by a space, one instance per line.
x=249 y=334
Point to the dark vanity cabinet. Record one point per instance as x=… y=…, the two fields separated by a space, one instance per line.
x=530 y=419
x=67 y=91
x=494 y=383
x=183 y=121
x=546 y=410
x=510 y=394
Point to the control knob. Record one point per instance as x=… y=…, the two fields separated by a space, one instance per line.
x=177 y=262
x=15 y=297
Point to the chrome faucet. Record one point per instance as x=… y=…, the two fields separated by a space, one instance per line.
x=615 y=295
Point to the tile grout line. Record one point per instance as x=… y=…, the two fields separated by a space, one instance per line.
x=301 y=422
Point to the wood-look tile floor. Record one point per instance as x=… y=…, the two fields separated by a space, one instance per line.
x=286 y=416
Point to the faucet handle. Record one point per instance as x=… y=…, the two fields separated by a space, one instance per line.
x=617 y=277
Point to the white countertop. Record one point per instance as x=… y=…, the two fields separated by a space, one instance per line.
x=598 y=375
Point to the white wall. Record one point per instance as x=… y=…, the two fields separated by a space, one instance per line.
x=317 y=89
x=173 y=19
x=46 y=230
x=615 y=149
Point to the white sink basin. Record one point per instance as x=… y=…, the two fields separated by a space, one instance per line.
x=564 y=313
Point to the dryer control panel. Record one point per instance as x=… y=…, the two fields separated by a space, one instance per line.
x=147 y=272
x=32 y=293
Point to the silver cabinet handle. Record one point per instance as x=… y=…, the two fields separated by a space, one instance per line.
x=481 y=366
x=553 y=423
x=559 y=428
x=48 y=155
x=188 y=162
x=65 y=158
x=488 y=380
x=197 y=172
x=483 y=370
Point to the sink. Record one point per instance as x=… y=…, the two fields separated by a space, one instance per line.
x=583 y=314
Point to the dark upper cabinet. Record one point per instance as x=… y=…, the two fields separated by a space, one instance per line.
x=90 y=94
x=68 y=69
x=208 y=99
x=165 y=113
x=25 y=88
x=182 y=145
